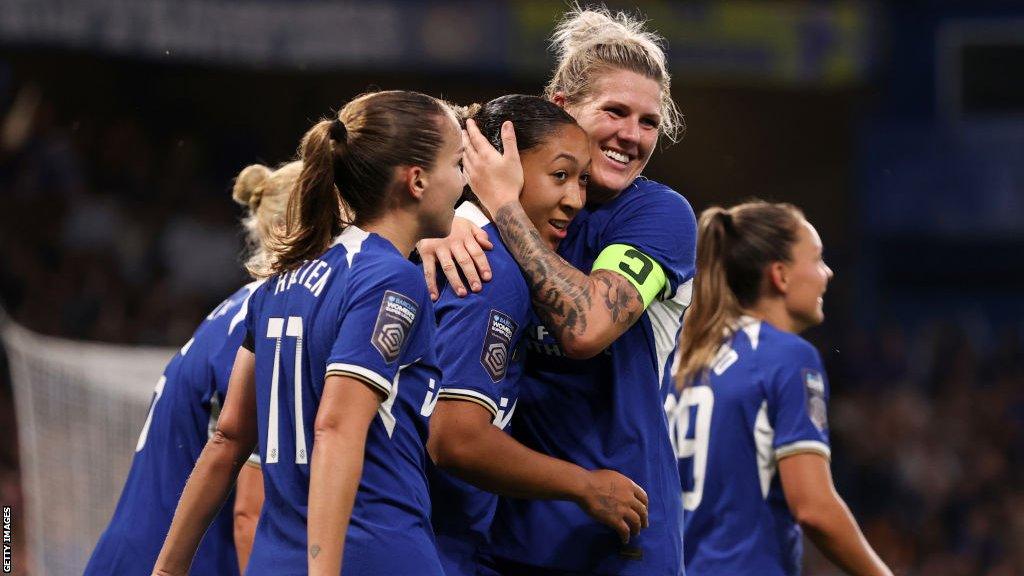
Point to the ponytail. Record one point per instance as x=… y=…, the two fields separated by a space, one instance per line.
x=715 y=308
x=733 y=248
x=313 y=217
x=348 y=167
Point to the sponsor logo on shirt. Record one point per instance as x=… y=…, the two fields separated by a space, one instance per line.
x=495 y=355
x=814 y=383
x=394 y=321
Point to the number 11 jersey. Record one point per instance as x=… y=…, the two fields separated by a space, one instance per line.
x=360 y=310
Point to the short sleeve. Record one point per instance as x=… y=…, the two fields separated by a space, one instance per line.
x=223 y=359
x=476 y=339
x=798 y=401
x=381 y=327
x=659 y=223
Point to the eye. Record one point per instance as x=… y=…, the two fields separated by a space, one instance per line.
x=615 y=111
x=560 y=175
x=650 y=123
x=584 y=179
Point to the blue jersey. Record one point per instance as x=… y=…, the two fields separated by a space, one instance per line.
x=185 y=404
x=360 y=310
x=608 y=411
x=478 y=346
x=764 y=399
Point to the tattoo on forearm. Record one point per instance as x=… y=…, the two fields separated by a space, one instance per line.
x=561 y=293
x=314 y=550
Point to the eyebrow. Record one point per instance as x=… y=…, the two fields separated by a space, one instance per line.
x=567 y=156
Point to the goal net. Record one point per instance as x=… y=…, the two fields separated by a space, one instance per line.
x=79 y=409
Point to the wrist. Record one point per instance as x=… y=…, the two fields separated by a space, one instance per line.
x=578 y=488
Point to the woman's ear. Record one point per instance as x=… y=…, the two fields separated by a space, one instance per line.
x=559 y=99
x=778 y=277
x=414 y=181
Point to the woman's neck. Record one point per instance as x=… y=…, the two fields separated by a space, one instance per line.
x=397 y=228
x=773 y=311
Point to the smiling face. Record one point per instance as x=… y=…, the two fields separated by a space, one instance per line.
x=555 y=176
x=808 y=277
x=621 y=117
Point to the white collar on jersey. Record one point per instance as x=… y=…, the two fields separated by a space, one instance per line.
x=351 y=235
x=473 y=213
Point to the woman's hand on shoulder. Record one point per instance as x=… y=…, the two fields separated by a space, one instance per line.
x=462 y=250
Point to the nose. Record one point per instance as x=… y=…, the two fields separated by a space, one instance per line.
x=828 y=272
x=574 y=199
x=629 y=130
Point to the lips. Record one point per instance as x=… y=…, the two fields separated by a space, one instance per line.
x=559 y=227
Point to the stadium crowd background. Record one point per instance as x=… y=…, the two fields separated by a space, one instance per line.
x=897 y=128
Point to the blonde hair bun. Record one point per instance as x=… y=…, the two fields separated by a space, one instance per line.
x=582 y=28
x=249 y=184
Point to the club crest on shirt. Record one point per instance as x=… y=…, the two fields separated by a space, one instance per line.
x=394 y=321
x=814 y=384
x=497 y=344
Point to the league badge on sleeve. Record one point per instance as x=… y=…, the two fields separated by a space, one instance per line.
x=814 y=383
x=497 y=344
x=394 y=322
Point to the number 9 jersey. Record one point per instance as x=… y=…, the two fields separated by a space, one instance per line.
x=764 y=398
x=360 y=310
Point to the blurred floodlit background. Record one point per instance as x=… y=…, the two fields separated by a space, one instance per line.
x=899 y=128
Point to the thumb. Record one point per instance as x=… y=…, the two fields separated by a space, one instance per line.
x=508 y=140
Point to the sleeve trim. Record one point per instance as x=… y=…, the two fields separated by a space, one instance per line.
x=365 y=375
x=803 y=446
x=469 y=396
x=254 y=461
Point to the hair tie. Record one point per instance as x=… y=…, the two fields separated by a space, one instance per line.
x=727 y=222
x=338 y=131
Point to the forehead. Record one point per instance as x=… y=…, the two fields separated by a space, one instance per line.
x=568 y=138
x=807 y=235
x=627 y=87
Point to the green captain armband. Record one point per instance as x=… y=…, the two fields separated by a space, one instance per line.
x=640 y=269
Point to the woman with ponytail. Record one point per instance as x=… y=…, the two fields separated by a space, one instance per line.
x=339 y=355
x=185 y=407
x=750 y=427
x=609 y=302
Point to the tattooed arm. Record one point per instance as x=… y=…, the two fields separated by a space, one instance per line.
x=586 y=313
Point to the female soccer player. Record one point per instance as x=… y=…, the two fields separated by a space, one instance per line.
x=598 y=370
x=185 y=405
x=479 y=339
x=751 y=426
x=338 y=355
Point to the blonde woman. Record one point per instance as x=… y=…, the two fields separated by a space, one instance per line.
x=609 y=304
x=185 y=407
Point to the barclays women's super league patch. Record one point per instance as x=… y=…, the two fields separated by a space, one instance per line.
x=497 y=344
x=394 y=322
x=814 y=384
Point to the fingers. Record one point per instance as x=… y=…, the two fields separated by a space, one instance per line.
x=640 y=509
x=508 y=140
x=640 y=494
x=634 y=521
x=622 y=529
x=479 y=260
x=477 y=144
x=467 y=264
x=483 y=241
x=430 y=275
x=451 y=272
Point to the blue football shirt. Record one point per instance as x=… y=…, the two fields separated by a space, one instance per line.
x=360 y=310
x=185 y=405
x=764 y=399
x=608 y=411
x=478 y=346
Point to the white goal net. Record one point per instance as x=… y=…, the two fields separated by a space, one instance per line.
x=79 y=408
